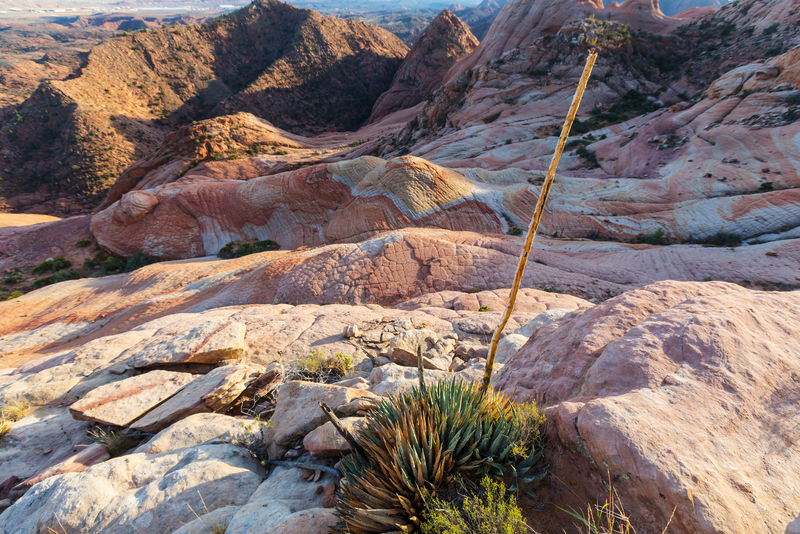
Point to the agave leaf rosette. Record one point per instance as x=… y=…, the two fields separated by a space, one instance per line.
x=419 y=441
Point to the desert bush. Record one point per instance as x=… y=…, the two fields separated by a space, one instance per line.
x=425 y=438
x=15 y=410
x=58 y=276
x=52 y=265
x=654 y=238
x=489 y=510
x=5 y=427
x=720 y=239
x=317 y=367
x=235 y=249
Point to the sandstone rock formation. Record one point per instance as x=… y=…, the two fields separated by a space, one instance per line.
x=446 y=40
x=619 y=380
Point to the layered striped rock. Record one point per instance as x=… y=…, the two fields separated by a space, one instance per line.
x=385 y=270
x=121 y=403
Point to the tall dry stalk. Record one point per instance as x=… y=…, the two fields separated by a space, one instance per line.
x=537 y=216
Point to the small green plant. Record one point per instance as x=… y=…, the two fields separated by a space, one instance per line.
x=489 y=510
x=115 y=442
x=356 y=143
x=12 y=278
x=483 y=309
x=83 y=243
x=766 y=187
x=588 y=156
x=12 y=295
x=281 y=152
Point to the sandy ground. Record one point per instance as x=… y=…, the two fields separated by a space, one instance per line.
x=24 y=219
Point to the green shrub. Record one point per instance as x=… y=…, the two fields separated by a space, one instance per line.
x=483 y=309
x=235 y=249
x=53 y=265
x=655 y=238
x=766 y=187
x=58 y=276
x=12 y=295
x=426 y=438
x=720 y=239
x=486 y=511
x=83 y=243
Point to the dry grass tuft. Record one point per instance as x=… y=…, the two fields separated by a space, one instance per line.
x=16 y=410
x=607 y=518
x=116 y=442
x=5 y=427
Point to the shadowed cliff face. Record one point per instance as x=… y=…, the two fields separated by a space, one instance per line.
x=301 y=70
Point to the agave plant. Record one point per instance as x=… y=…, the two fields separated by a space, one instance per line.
x=418 y=442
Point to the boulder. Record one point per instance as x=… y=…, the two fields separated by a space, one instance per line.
x=137 y=493
x=198 y=429
x=283 y=494
x=437 y=353
x=685 y=394
x=209 y=342
x=325 y=441
x=297 y=410
x=212 y=392
x=121 y=403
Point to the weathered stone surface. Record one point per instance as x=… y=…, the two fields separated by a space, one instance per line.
x=312 y=521
x=136 y=492
x=326 y=441
x=668 y=385
x=210 y=523
x=199 y=428
x=437 y=353
x=392 y=379
x=544 y=318
x=297 y=410
x=120 y=403
x=88 y=456
x=209 y=342
x=36 y=442
x=284 y=493
x=207 y=393
x=508 y=347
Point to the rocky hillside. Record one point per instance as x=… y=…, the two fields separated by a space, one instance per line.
x=295 y=67
x=446 y=40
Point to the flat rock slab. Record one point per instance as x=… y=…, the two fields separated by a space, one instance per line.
x=200 y=428
x=437 y=353
x=210 y=342
x=297 y=410
x=121 y=403
x=207 y=393
x=88 y=456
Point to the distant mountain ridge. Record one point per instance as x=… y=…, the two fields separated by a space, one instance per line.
x=303 y=71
